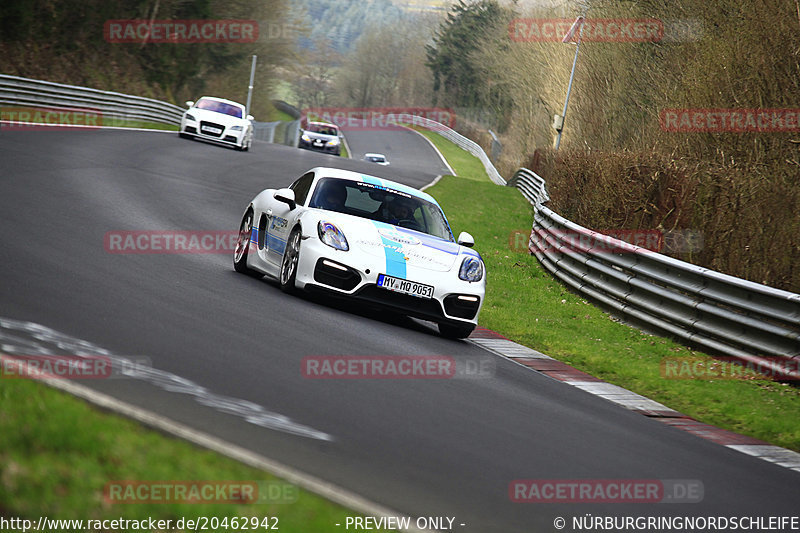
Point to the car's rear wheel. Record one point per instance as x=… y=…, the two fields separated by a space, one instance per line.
x=456 y=331
x=243 y=246
x=291 y=258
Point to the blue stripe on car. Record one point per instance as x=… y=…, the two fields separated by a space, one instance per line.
x=395 y=260
x=275 y=245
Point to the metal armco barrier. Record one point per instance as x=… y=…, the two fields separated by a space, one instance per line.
x=457 y=139
x=724 y=314
x=279 y=132
x=24 y=92
x=29 y=93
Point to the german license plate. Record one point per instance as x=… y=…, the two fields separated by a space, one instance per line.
x=211 y=129
x=404 y=286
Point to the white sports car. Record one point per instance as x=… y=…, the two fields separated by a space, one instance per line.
x=367 y=238
x=218 y=120
x=376 y=158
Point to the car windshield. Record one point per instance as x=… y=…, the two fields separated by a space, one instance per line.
x=376 y=159
x=383 y=204
x=219 y=107
x=322 y=129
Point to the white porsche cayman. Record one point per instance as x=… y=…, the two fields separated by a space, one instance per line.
x=367 y=238
x=218 y=120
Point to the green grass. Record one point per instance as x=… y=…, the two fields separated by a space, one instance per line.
x=527 y=305
x=57 y=454
x=119 y=123
x=275 y=114
x=466 y=165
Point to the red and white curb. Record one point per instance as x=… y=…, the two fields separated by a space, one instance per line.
x=544 y=364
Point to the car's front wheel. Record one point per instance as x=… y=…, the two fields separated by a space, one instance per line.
x=291 y=258
x=456 y=331
x=183 y=135
x=243 y=246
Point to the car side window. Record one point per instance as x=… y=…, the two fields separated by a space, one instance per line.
x=301 y=187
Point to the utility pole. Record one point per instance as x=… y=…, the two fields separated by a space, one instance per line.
x=558 y=120
x=250 y=87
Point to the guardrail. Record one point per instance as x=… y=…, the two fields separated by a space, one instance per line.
x=289 y=109
x=280 y=132
x=25 y=92
x=456 y=138
x=752 y=322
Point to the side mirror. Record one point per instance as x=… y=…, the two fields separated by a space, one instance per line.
x=250 y=117
x=189 y=103
x=286 y=196
x=465 y=239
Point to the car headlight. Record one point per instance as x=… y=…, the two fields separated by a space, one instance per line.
x=236 y=128
x=306 y=138
x=471 y=269
x=190 y=117
x=332 y=236
x=333 y=142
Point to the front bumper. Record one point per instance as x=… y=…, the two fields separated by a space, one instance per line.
x=323 y=269
x=227 y=136
x=306 y=145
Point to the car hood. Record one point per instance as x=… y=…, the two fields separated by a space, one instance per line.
x=213 y=116
x=398 y=246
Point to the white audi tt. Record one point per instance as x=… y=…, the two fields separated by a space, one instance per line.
x=367 y=238
x=218 y=120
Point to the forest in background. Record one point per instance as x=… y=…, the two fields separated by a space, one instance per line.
x=618 y=167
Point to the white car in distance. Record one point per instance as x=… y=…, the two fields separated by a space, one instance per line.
x=218 y=120
x=376 y=158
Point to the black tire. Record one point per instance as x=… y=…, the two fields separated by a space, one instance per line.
x=185 y=135
x=455 y=331
x=243 y=247
x=291 y=257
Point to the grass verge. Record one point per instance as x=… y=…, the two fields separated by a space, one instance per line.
x=58 y=454
x=118 y=123
x=527 y=305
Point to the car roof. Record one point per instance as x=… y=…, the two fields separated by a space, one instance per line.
x=374 y=155
x=328 y=172
x=223 y=100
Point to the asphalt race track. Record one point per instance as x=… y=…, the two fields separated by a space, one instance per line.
x=438 y=447
x=405 y=150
